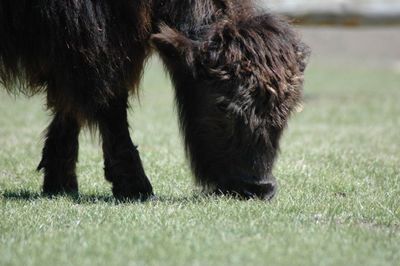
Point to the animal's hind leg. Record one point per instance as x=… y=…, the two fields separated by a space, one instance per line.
x=122 y=164
x=60 y=154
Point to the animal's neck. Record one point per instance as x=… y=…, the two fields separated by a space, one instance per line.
x=192 y=16
x=187 y=16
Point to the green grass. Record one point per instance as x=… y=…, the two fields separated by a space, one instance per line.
x=338 y=204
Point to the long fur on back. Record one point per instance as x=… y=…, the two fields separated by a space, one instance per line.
x=84 y=51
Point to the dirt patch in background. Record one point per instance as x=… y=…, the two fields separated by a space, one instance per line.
x=377 y=47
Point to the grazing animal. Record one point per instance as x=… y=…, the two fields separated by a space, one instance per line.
x=236 y=85
x=87 y=56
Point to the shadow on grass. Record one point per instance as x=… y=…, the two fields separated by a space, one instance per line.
x=26 y=195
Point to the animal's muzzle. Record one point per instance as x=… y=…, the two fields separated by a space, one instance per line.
x=250 y=187
x=264 y=189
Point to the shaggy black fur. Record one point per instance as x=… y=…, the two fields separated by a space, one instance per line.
x=87 y=55
x=236 y=83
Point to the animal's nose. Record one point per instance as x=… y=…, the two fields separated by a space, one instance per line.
x=252 y=187
x=264 y=189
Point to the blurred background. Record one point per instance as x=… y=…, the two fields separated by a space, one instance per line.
x=345 y=12
x=360 y=32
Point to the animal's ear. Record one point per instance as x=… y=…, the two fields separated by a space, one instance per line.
x=171 y=44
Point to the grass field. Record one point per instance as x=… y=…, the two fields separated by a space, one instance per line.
x=338 y=204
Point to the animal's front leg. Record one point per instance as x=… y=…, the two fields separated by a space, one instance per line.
x=60 y=154
x=122 y=163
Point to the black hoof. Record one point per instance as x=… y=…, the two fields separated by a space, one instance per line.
x=68 y=186
x=128 y=189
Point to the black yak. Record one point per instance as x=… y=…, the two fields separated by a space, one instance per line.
x=238 y=75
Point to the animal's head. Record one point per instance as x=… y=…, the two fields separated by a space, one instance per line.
x=236 y=86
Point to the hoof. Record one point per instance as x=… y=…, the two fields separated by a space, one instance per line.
x=69 y=186
x=131 y=189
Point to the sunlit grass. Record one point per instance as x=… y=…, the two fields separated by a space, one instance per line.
x=338 y=203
